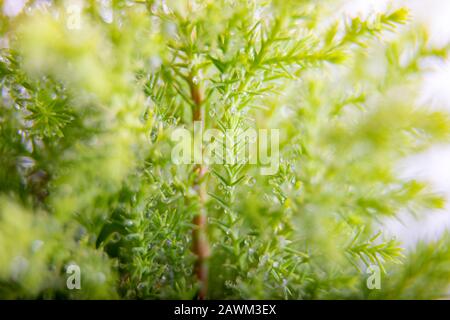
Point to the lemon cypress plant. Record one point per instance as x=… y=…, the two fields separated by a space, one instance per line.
x=94 y=92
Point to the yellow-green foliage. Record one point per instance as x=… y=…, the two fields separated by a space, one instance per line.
x=86 y=175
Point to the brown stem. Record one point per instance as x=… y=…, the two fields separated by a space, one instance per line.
x=199 y=237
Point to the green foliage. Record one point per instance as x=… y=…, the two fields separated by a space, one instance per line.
x=86 y=173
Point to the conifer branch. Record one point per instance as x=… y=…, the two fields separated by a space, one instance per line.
x=200 y=246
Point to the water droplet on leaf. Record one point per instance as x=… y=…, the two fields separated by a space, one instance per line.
x=154 y=135
x=129 y=223
x=196 y=79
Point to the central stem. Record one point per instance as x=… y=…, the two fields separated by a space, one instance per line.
x=199 y=238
